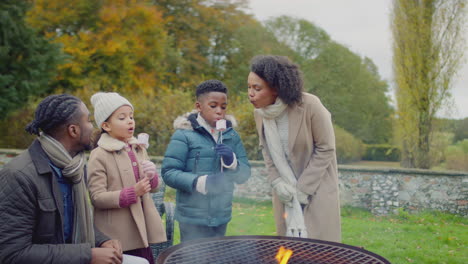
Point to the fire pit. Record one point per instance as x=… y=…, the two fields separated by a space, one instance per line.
x=264 y=249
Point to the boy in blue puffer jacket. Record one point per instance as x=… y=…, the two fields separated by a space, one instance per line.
x=203 y=165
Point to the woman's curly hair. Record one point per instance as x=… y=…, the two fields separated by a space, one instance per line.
x=281 y=74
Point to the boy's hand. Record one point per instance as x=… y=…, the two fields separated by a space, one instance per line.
x=142 y=187
x=226 y=153
x=200 y=185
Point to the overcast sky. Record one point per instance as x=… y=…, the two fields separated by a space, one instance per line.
x=364 y=27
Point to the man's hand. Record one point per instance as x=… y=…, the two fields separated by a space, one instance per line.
x=115 y=244
x=105 y=255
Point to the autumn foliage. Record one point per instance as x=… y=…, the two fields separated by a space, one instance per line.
x=117 y=46
x=156 y=52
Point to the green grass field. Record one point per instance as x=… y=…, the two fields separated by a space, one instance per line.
x=428 y=237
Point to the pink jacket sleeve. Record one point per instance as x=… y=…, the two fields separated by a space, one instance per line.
x=127 y=197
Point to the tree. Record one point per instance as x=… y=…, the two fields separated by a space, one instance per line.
x=427 y=51
x=461 y=129
x=203 y=35
x=114 y=45
x=27 y=60
x=352 y=90
x=250 y=39
x=302 y=36
x=348 y=85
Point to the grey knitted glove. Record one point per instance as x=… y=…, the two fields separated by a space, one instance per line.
x=284 y=191
x=302 y=197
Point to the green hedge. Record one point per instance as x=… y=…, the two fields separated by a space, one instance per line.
x=382 y=152
x=348 y=147
x=457 y=156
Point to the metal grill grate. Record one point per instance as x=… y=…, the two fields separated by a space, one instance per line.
x=263 y=249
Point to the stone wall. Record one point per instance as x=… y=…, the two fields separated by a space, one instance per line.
x=384 y=190
x=381 y=190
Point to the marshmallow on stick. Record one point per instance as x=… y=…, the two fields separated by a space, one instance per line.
x=143 y=139
x=221 y=125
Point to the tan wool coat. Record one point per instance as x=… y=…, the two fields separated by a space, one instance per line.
x=313 y=160
x=110 y=170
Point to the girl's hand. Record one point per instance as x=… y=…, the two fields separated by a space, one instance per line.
x=142 y=187
x=149 y=169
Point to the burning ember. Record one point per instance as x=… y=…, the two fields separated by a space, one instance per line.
x=283 y=255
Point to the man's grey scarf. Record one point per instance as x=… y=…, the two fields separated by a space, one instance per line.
x=73 y=169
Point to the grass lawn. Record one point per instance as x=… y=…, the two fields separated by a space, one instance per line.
x=428 y=237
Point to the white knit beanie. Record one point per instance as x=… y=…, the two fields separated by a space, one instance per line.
x=105 y=104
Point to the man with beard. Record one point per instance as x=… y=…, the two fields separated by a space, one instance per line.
x=44 y=208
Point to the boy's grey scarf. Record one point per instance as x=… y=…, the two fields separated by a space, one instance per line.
x=73 y=169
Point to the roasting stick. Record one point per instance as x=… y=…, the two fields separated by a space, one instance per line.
x=221 y=126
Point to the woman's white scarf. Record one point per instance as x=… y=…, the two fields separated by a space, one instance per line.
x=295 y=225
x=73 y=169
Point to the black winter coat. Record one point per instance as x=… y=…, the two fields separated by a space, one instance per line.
x=31 y=213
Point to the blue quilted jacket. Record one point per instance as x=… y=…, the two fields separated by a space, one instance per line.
x=190 y=154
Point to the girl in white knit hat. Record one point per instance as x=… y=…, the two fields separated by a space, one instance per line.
x=120 y=179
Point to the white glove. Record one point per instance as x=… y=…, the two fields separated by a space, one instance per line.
x=302 y=197
x=201 y=184
x=284 y=191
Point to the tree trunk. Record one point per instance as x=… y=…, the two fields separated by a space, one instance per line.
x=425 y=126
x=407 y=157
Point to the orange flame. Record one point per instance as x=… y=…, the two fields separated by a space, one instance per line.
x=283 y=255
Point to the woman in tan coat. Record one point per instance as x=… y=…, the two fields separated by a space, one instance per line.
x=120 y=177
x=298 y=146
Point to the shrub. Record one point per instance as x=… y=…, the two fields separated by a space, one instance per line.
x=461 y=129
x=12 y=133
x=457 y=156
x=242 y=110
x=439 y=143
x=156 y=115
x=382 y=152
x=348 y=147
